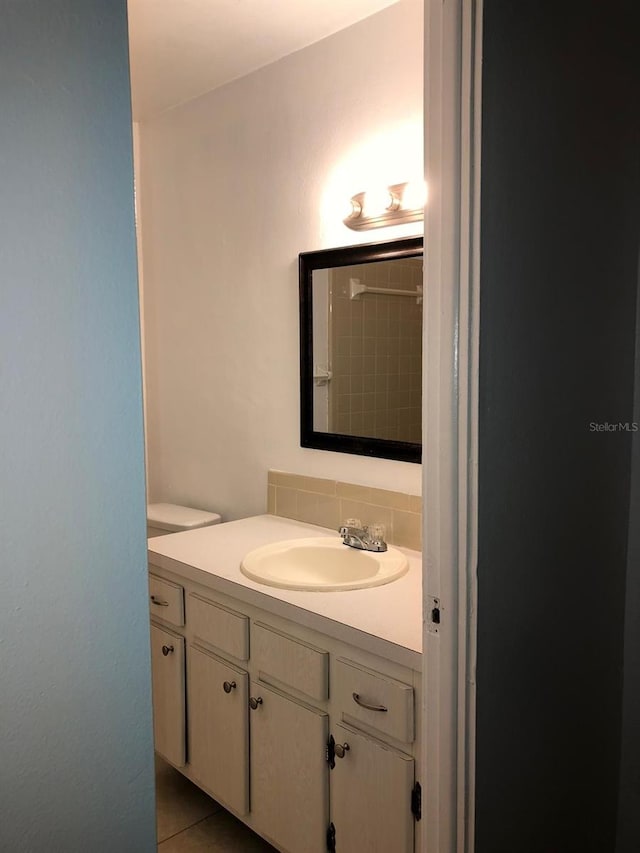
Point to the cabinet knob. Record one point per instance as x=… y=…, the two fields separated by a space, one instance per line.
x=341 y=749
x=159 y=601
x=253 y=702
x=228 y=686
x=166 y=650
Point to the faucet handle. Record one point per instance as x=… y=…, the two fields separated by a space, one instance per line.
x=377 y=531
x=350 y=526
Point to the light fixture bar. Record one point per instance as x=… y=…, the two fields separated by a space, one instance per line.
x=395 y=213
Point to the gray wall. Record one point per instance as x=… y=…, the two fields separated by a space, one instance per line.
x=629 y=802
x=560 y=194
x=75 y=713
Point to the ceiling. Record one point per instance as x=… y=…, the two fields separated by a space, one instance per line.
x=181 y=49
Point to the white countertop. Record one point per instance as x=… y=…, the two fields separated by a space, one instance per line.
x=387 y=619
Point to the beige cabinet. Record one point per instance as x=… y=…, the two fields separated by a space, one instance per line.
x=244 y=703
x=168 y=679
x=371 y=787
x=289 y=771
x=219 y=728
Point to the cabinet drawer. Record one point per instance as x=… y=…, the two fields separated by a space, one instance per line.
x=291 y=662
x=166 y=600
x=225 y=629
x=390 y=702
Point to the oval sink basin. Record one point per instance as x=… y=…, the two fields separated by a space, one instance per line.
x=322 y=564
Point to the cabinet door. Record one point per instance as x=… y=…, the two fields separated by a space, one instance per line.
x=219 y=728
x=167 y=670
x=371 y=796
x=289 y=772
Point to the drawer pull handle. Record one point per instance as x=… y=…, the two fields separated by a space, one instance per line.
x=254 y=703
x=166 y=650
x=159 y=601
x=341 y=749
x=358 y=701
x=228 y=686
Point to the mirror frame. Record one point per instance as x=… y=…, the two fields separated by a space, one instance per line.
x=403 y=451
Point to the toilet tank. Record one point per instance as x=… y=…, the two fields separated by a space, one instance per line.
x=171 y=518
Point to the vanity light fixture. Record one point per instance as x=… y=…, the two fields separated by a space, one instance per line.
x=395 y=205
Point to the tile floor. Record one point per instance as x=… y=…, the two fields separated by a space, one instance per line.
x=188 y=821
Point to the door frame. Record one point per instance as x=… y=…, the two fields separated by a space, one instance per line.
x=453 y=44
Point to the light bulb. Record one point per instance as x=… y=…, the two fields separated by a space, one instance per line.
x=377 y=201
x=414 y=195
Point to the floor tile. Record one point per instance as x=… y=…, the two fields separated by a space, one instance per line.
x=221 y=833
x=179 y=803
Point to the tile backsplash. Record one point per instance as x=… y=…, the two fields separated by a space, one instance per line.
x=329 y=503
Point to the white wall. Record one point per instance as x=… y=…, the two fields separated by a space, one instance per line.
x=76 y=756
x=235 y=185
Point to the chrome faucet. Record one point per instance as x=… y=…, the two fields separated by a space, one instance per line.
x=361 y=538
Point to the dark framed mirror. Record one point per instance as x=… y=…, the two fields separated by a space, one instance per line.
x=361 y=349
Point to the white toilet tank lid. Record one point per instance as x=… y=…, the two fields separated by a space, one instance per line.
x=174 y=517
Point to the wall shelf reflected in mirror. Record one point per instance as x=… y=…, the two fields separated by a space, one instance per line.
x=361 y=349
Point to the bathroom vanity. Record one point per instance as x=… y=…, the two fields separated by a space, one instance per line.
x=298 y=711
